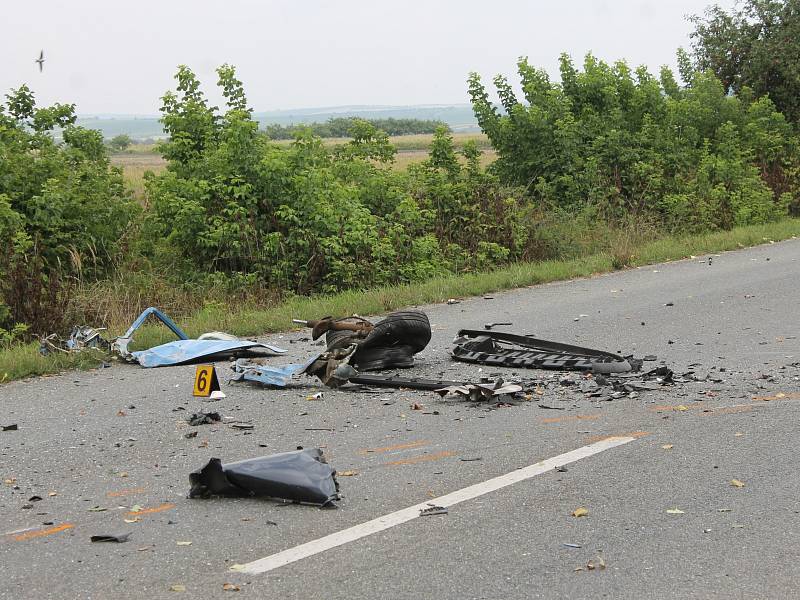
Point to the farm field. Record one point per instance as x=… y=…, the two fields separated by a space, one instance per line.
x=140 y=158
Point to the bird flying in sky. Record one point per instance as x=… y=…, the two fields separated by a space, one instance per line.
x=40 y=60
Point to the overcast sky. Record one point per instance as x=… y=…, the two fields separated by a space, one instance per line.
x=119 y=57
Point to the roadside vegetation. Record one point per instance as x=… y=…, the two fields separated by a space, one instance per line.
x=608 y=168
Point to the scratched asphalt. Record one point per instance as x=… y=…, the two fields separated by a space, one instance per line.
x=96 y=445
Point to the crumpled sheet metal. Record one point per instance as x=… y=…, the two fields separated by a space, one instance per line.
x=278 y=376
x=181 y=352
x=299 y=476
x=330 y=367
x=81 y=338
x=482 y=391
x=212 y=346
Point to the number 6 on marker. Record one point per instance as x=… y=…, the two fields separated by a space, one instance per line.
x=205 y=381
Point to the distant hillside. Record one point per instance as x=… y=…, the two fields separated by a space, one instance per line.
x=459 y=117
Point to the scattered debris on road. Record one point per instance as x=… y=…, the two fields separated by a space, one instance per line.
x=203 y=418
x=118 y=538
x=300 y=476
x=432 y=510
x=81 y=338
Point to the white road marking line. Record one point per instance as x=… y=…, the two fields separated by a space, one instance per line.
x=399 y=517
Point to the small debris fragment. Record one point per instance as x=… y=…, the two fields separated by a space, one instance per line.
x=573 y=546
x=597 y=563
x=491 y=325
x=346 y=473
x=183 y=543
x=674 y=511
x=433 y=510
x=317 y=396
x=12 y=427
x=667 y=446
x=203 y=418
x=177 y=588
x=580 y=512
x=736 y=483
x=108 y=537
x=230 y=587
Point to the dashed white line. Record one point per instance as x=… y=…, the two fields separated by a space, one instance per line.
x=399 y=517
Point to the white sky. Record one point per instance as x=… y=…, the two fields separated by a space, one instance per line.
x=109 y=56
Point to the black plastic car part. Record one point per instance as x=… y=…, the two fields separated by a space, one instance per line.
x=511 y=350
x=298 y=476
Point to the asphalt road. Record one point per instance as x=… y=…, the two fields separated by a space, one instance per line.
x=113 y=440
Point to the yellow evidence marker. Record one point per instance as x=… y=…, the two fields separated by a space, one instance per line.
x=206 y=384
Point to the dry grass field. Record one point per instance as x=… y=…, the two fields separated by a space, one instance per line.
x=411 y=149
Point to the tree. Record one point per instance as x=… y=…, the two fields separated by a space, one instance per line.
x=120 y=142
x=755 y=46
x=611 y=142
x=63 y=210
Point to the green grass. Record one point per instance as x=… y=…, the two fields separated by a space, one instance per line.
x=24 y=361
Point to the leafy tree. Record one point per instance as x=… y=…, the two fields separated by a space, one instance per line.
x=755 y=45
x=120 y=142
x=233 y=206
x=617 y=142
x=343 y=127
x=63 y=210
x=442 y=152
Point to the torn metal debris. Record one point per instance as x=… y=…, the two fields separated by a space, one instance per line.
x=257 y=371
x=482 y=391
x=511 y=350
x=81 y=338
x=433 y=510
x=299 y=476
x=117 y=538
x=208 y=347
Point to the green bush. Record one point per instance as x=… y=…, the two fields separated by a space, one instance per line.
x=307 y=218
x=63 y=211
x=621 y=143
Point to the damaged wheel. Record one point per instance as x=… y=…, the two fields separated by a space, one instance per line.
x=390 y=345
x=394 y=342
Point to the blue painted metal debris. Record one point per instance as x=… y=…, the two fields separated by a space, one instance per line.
x=246 y=370
x=186 y=350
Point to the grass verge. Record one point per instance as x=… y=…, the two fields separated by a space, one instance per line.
x=24 y=361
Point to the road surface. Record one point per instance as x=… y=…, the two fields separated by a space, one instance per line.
x=106 y=452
